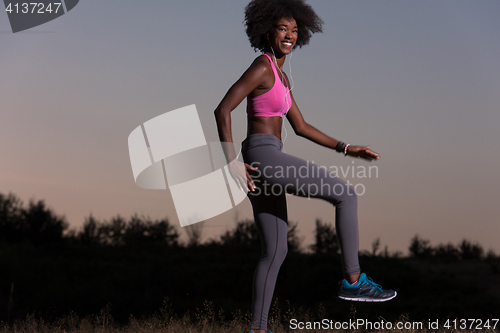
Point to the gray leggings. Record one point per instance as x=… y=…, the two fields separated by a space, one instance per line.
x=279 y=173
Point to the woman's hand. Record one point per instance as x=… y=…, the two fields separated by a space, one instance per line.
x=362 y=152
x=239 y=172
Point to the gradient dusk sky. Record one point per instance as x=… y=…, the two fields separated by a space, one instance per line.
x=419 y=81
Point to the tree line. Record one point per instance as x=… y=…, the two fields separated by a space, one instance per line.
x=37 y=224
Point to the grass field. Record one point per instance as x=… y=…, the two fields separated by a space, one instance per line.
x=209 y=320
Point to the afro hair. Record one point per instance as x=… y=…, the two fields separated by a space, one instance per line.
x=260 y=16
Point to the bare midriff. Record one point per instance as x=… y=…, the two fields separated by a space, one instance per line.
x=268 y=125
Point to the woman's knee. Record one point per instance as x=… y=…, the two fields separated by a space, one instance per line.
x=341 y=194
x=350 y=198
x=276 y=254
x=281 y=254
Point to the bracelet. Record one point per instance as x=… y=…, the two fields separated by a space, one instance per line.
x=338 y=147
x=345 y=149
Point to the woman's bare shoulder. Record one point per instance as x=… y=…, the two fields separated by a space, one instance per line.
x=261 y=65
x=260 y=70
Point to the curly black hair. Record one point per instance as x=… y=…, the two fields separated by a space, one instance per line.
x=260 y=16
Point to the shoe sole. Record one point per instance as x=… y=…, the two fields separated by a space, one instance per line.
x=367 y=299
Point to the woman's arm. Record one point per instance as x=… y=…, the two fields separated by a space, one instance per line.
x=254 y=77
x=302 y=128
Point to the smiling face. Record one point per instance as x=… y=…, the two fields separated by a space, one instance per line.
x=283 y=36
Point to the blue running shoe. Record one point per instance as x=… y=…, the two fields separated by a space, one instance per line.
x=365 y=291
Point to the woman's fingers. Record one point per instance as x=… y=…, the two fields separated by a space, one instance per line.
x=372 y=154
x=250 y=181
x=248 y=166
x=365 y=153
x=238 y=172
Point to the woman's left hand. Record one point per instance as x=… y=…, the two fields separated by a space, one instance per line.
x=362 y=152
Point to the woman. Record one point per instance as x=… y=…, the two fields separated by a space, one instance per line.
x=276 y=27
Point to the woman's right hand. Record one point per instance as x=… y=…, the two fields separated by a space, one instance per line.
x=362 y=152
x=240 y=173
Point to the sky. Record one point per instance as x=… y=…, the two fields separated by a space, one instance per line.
x=418 y=81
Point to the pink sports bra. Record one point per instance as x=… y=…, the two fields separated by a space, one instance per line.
x=273 y=103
